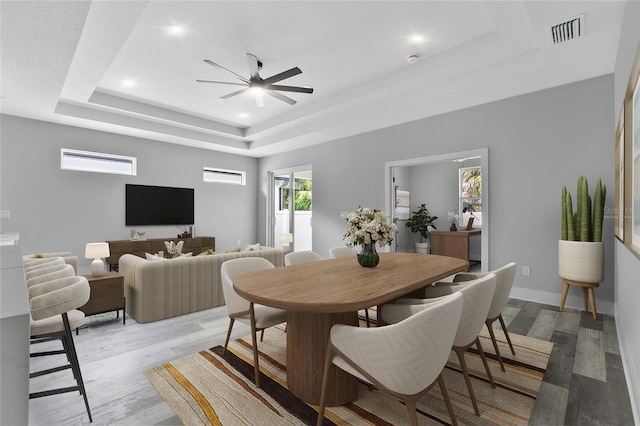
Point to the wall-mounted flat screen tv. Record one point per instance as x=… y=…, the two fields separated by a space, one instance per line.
x=159 y=205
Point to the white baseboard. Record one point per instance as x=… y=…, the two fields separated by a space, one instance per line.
x=572 y=302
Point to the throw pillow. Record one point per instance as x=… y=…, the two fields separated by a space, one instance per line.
x=207 y=252
x=182 y=255
x=252 y=247
x=150 y=256
x=235 y=250
x=38 y=256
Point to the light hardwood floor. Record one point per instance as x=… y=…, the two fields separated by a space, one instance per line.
x=584 y=383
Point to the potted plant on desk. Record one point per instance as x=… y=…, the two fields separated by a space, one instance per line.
x=422 y=223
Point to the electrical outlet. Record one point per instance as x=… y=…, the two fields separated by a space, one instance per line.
x=526 y=271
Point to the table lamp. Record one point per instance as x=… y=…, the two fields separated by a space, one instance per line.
x=97 y=251
x=286 y=240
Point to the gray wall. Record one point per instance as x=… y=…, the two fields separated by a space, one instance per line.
x=627 y=265
x=537 y=143
x=59 y=210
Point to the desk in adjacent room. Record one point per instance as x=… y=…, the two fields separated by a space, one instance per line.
x=452 y=243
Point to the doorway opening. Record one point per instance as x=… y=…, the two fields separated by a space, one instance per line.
x=398 y=177
x=291 y=209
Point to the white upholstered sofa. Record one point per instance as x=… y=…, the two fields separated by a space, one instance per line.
x=159 y=289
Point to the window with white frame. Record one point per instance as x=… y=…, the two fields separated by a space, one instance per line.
x=98 y=162
x=470 y=195
x=235 y=177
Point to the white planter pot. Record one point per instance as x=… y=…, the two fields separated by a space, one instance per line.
x=422 y=248
x=581 y=261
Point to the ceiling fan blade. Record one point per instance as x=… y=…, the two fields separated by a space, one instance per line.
x=280 y=96
x=253 y=66
x=221 y=82
x=290 y=88
x=234 y=93
x=227 y=70
x=283 y=75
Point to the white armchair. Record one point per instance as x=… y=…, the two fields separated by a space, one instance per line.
x=404 y=360
x=257 y=316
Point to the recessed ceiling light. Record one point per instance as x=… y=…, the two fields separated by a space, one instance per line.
x=128 y=83
x=175 y=30
x=243 y=115
x=417 y=38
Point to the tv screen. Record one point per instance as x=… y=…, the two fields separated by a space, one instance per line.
x=159 y=205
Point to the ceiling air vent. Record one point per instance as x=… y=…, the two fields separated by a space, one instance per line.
x=569 y=30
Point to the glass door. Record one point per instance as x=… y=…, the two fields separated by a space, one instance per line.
x=291 y=209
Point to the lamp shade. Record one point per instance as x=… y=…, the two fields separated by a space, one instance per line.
x=96 y=250
x=286 y=238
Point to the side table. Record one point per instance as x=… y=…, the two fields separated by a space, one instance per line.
x=107 y=294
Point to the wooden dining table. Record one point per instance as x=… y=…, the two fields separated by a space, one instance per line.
x=320 y=294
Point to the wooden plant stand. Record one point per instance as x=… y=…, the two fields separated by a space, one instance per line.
x=587 y=295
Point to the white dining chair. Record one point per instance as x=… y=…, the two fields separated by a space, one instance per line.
x=504 y=281
x=403 y=360
x=342 y=251
x=301 y=257
x=257 y=316
x=477 y=299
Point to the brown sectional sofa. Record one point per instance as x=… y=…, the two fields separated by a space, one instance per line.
x=159 y=289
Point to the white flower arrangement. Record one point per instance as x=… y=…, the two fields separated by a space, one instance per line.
x=453 y=216
x=369 y=226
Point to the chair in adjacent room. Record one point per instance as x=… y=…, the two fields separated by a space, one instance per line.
x=403 y=360
x=504 y=281
x=257 y=316
x=478 y=295
x=53 y=314
x=300 y=257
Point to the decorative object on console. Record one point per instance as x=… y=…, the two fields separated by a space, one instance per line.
x=422 y=223
x=137 y=235
x=97 y=251
x=174 y=249
x=365 y=227
x=453 y=218
x=286 y=240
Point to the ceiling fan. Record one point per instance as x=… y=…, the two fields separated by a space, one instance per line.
x=259 y=85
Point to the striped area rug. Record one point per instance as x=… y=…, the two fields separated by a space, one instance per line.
x=209 y=388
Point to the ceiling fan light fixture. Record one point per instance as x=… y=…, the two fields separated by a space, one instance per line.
x=258 y=93
x=175 y=30
x=417 y=39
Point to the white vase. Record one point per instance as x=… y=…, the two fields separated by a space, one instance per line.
x=422 y=248
x=581 y=261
